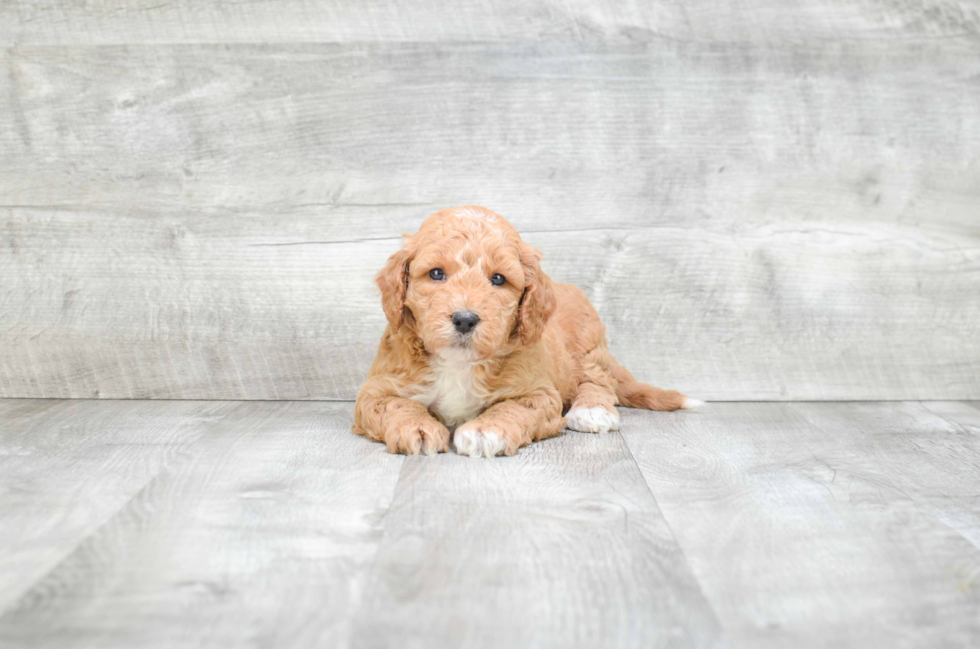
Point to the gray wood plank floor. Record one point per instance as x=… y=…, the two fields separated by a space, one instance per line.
x=823 y=524
x=199 y=524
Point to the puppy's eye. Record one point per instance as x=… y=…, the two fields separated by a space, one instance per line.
x=498 y=280
x=437 y=274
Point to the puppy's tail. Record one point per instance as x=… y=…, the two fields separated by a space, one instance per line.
x=633 y=394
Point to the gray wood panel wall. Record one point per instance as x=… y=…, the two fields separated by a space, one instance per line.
x=765 y=200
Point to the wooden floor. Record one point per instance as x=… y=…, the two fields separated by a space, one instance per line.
x=229 y=524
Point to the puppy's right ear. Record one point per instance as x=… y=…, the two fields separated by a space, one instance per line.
x=393 y=282
x=538 y=302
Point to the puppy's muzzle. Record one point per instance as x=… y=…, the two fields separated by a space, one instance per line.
x=465 y=321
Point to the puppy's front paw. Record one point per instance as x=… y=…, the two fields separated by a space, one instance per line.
x=592 y=420
x=418 y=435
x=478 y=441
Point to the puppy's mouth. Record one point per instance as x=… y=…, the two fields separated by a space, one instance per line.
x=460 y=347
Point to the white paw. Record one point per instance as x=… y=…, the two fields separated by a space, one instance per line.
x=592 y=420
x=478 y=442
x=691 y=404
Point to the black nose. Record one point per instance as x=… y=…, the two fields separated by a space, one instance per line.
x=464 y=321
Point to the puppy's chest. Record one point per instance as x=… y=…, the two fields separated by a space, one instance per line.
x=454 y=391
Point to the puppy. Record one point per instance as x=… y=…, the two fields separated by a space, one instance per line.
x=480 y=340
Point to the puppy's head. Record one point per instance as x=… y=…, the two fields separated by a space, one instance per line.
x=466 y=282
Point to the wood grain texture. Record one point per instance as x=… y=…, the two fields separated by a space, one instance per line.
x=752 y=221
x=67 y=467
x=259 y=537
x=366 y=139
x=819 y=525
x=775 y=312
x=559 y=546
x=962 y=413
x=163 y=524
x=143 y=21
x=959 y=510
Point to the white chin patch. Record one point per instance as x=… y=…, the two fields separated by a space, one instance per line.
x=691 y=404
x=592 y=420
x=478 y=443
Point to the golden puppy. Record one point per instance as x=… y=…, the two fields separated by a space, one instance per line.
x=479 y=339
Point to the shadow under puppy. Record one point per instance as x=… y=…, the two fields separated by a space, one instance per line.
x=479 y=339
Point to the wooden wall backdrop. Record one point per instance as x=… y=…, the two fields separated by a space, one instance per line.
x=764 y=199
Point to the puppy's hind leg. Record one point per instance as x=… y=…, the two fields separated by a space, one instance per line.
x=594 y=406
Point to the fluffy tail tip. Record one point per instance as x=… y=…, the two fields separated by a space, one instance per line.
x=691 y=404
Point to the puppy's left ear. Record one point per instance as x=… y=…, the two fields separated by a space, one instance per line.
x=393 y=282
x=538 y=302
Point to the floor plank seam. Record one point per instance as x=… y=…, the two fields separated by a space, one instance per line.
x=677 y=544
x=17 y=604
x=187 y=453
x=371 y=564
